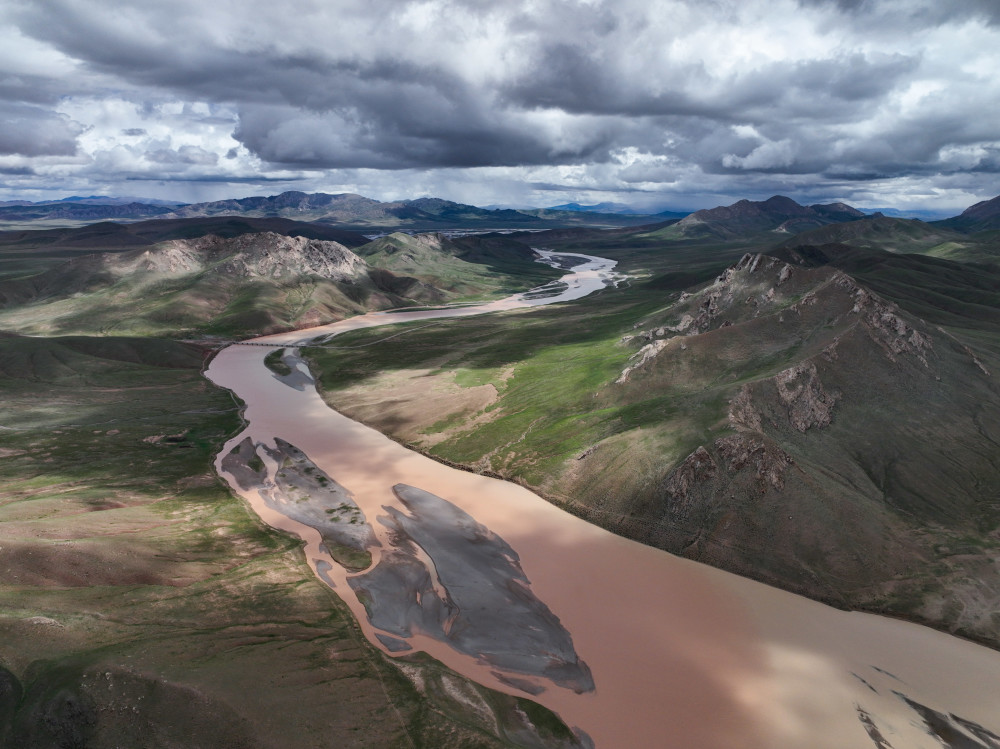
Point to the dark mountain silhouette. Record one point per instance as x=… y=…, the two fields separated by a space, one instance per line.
x=774 y=214
x=983 y=216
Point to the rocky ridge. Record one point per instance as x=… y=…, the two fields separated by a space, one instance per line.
x=270 y=255
x=738 y=295
x=835 y=468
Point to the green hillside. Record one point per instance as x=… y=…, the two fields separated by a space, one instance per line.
x=464 y=268
x=248 y=284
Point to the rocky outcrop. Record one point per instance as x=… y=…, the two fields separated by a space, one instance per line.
x=697 y=468
x=270 y=255
x=885 y=325
x=800 y=389
x=766 y=460
x=643 y=355
x=264 y=255
x=743 y=416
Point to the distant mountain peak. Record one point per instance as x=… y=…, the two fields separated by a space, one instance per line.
x=778 y=213
x=985 y=209
x=982 y=216
x=783 y=203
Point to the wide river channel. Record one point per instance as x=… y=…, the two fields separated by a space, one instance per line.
x=629 y=644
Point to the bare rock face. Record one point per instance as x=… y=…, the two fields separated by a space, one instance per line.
x=743 y=416
x=766 y=460
x=643 y=355
x=697 y=468
x=172 y=260
x=271 y=255
x=800 y=389
x=885 y=325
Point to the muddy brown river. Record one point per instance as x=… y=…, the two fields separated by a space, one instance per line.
x=628 y=644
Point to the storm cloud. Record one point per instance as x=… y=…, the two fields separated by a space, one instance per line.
x=673 y=102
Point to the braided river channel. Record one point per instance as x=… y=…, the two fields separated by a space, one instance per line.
x=630 y=645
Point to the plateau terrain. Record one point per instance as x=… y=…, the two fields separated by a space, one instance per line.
x=802 y=395
x=142 y=603
x=534 y=374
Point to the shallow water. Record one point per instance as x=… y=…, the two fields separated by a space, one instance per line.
x=681 y=655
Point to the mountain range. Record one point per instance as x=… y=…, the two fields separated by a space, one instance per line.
x=615 y=208
x=779 y=213
x=250 y=281
x=93 y=200
x=347 y=209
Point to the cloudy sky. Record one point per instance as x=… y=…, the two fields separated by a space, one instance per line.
x=655 y=103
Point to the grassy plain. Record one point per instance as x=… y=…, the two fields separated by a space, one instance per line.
x=468 y=271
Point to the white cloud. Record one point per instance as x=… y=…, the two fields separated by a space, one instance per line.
x=769 y=155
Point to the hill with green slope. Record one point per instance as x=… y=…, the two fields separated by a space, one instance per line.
x=257 y=283
x=26 y=252
x=884 y=233
x=783 y=421
x=251 y=283
x=983 y=216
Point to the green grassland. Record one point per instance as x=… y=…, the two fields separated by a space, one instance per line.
x=142 y=604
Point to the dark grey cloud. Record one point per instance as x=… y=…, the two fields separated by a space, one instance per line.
x=20 y=171
x=34 y=131
x=31 y=89
x=183 y=155
x=625 y=95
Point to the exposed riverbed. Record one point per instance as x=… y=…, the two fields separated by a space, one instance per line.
x=635 y=647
